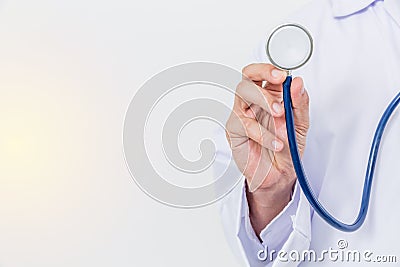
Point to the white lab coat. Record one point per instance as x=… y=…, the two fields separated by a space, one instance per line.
x=352 y=76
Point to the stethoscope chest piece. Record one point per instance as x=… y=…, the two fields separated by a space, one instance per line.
x=289 y=46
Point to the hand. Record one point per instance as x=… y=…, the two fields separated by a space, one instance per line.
x=256 y=131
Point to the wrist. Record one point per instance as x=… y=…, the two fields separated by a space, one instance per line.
x=270 y=198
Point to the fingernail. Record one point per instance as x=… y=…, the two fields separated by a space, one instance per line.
x=276 y=73
x=277 y=145
x=302 y=91
x=277 y=108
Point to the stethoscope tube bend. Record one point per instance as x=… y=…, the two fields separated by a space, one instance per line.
x=302 y=178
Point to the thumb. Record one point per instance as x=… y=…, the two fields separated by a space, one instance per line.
x=299 y=95
x=300 y=103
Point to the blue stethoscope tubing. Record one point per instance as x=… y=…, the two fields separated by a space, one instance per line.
x=303 y=180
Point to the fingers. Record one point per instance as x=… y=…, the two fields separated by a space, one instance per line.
x=249 y=93
x=251 y=97
x=250 y=90
x=259 y=72
x=251 y=128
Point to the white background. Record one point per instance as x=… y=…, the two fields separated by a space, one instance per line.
x=68 y=70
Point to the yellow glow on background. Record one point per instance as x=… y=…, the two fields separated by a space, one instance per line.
x=22 y=143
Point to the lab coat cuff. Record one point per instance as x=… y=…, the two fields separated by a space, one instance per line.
x=282 y=225
x=277 y=231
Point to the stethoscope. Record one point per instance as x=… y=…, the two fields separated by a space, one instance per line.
x=289 y=47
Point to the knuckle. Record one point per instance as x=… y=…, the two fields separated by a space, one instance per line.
x=240 y=86
x=228 y=137
x=228 y=124
x=302 y=129
x=231 y=122
x=245 y=70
